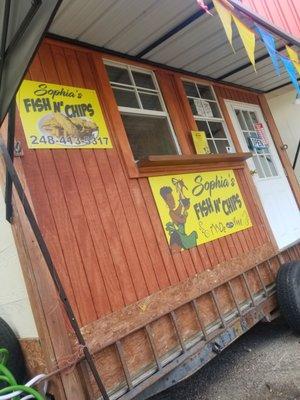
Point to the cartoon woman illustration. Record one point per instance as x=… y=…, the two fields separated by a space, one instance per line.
x=176 y=229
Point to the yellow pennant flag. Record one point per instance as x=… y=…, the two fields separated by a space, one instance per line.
x=248 y=39
x=293 y=55
x=225 y=17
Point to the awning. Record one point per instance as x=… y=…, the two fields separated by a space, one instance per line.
x=174 y=33
x=22 y=24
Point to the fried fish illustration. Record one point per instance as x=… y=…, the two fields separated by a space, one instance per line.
x=57 y=124
x=84 y=126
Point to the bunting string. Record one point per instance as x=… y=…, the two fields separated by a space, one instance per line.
x=290 y=61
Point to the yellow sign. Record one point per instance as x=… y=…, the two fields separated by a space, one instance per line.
x=199 y=207
x=200 y=142
x=59 y=116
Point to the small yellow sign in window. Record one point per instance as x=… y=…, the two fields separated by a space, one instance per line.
x=200 y=142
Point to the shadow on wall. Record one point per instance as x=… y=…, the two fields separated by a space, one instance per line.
x=14 y=304
x=287 y=117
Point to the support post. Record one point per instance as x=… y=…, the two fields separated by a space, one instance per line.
x=10 y=148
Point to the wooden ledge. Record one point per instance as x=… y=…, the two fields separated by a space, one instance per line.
x=157 y=165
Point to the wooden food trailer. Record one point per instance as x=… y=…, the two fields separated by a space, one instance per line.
x=166 y=255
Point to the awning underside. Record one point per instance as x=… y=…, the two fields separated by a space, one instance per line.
x=22 y=24
x=174 y=33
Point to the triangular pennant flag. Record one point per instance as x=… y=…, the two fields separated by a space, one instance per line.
x=248 y=39
x=270 y=46
x=297 y=66
x=291 y=71
x=204 y=6
x=293 y=55
x=225 y=17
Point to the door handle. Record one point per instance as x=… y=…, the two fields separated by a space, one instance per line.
x=253 y=171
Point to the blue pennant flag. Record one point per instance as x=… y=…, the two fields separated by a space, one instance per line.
x=290 y=69
x=270 y=46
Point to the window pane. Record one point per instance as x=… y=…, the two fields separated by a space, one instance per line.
x=214 y=109
x=271 y=165
x=143 y=80
x=265 y=167
x=202 y=126
x=254 y=135
x=193 y=106
x=150 y=102
x=190 y=89
x=118 y=75
x=205 y=92
x=248 y=120
x=148 y=135
x=253 y=117
x=259 y=150
x=247 y=138
x=207 y=110
x=126 y=98
x=217 y=129
x=258 y=167
x=200 y=110
x=222 y=145
x=212 y=147
x=238 y=113
x=250 y=142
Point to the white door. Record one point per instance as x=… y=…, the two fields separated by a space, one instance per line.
x=268 y=174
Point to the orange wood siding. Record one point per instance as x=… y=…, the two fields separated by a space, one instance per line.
x=283 y=13
x=102 y=227
x=236 y=94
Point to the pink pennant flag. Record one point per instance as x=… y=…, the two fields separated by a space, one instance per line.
x=204 y=6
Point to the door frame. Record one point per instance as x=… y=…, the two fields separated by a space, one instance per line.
x=230 y=106
x=250 y=181
x=256 y=107
x=292 y=179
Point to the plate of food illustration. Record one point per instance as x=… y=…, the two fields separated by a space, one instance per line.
x=77 y=131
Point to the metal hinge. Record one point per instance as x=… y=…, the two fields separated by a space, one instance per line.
x=18 y=151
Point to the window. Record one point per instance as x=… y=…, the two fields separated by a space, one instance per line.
x=143 y=111
x=262 y=157
x=208 y=117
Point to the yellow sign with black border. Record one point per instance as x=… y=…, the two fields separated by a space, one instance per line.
x=59 y=116
x=197 y=208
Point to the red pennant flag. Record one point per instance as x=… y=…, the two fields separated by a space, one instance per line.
x=204 y=6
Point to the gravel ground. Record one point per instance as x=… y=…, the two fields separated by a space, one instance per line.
x=263 y=364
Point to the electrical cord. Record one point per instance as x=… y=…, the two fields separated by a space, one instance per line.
x=13 y=390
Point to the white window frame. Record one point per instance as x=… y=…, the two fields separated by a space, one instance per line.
x=141 y=111
x=211 y=119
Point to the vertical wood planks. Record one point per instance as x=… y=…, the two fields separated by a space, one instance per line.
x=117 y=183
x=87 y=215
x=102 y=227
